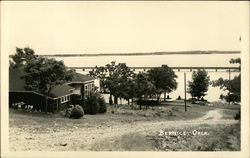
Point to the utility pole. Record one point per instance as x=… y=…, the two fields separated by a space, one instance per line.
x=185 y=91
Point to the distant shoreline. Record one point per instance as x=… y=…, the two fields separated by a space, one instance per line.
x=141 y=54
x=150 y=53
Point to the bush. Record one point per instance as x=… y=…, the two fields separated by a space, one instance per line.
x=148 y=102
x=103 y=106
x=237 y=116
x=92 y=105
x=77 y=112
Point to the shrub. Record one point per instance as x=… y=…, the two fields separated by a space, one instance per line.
x=77 y=112
x=103 y=106
x=148 y=102
x=92 y=105
x=237 y=116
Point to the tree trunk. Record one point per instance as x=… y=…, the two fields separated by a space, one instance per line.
x=132 y=101
x=128 y=101
x=164 y=95
x=46 y=103
x=158 y=97
x=115 y=99
x=110 y=99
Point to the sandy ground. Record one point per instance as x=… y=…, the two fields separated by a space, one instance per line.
x=77 y=139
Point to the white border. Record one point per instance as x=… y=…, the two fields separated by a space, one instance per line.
x=244 y=153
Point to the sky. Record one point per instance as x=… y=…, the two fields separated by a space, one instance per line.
x=121 y=27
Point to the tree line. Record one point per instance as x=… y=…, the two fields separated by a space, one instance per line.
x=120 y=82
x=42 y=74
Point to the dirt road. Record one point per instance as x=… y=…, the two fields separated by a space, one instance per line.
x=82 y=138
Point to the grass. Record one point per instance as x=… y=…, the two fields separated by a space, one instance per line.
x=115 y=115
x=220 y=138
x=127 y=142
x=38 y=124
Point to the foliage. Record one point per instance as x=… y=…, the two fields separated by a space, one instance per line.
x=237 y=116
x=121 y=82
x=91 y=105
x=144 y=87
x=148 y=102
x=94 y=104
x=103 y=106
x=199 y=86
x=77 y=112
x=22 y=56
x=236 y=61
x=163 y=78
x=232 y=86
x=42 y=74
x=114 y=79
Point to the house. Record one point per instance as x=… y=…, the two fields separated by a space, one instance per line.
x=73 y=92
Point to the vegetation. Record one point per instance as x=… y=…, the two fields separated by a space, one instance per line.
x=144 y=88
x=220 y=138
x=121 y=82
x=224 y=138
x=103 y=135
x=113 y=79
x=76 y=112
x=41 y=74
x=199 y=84
x=164 y=80
x=21 y=57
x=103 y=106
x=237 y=116
x=95 y=104
x=232 y=86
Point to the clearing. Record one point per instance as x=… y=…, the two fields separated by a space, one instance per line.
x=41 y=132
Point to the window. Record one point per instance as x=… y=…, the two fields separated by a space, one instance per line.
x=65 y=99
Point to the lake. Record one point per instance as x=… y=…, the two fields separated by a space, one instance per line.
x=216 y=60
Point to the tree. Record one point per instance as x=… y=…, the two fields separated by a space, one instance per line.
x=22 y=56
x=164 y=80
x=101 y=74
x=144 y=87
x=113 y=78
x=42 y=74
x=232 y=86
x=124 y=77
x=104 y=74
x=127 y=89
x=199 y=86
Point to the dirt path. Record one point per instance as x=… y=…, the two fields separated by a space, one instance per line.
x=83 y=138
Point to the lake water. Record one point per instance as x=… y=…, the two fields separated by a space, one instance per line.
x=216 y=60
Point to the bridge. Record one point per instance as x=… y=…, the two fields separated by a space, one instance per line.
x=178 y=69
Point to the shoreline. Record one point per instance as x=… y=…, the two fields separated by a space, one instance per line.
x=141 y=54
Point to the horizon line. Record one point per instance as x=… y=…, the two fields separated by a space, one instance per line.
x=149 y=53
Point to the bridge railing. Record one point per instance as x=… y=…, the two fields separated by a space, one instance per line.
x=189 y=68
